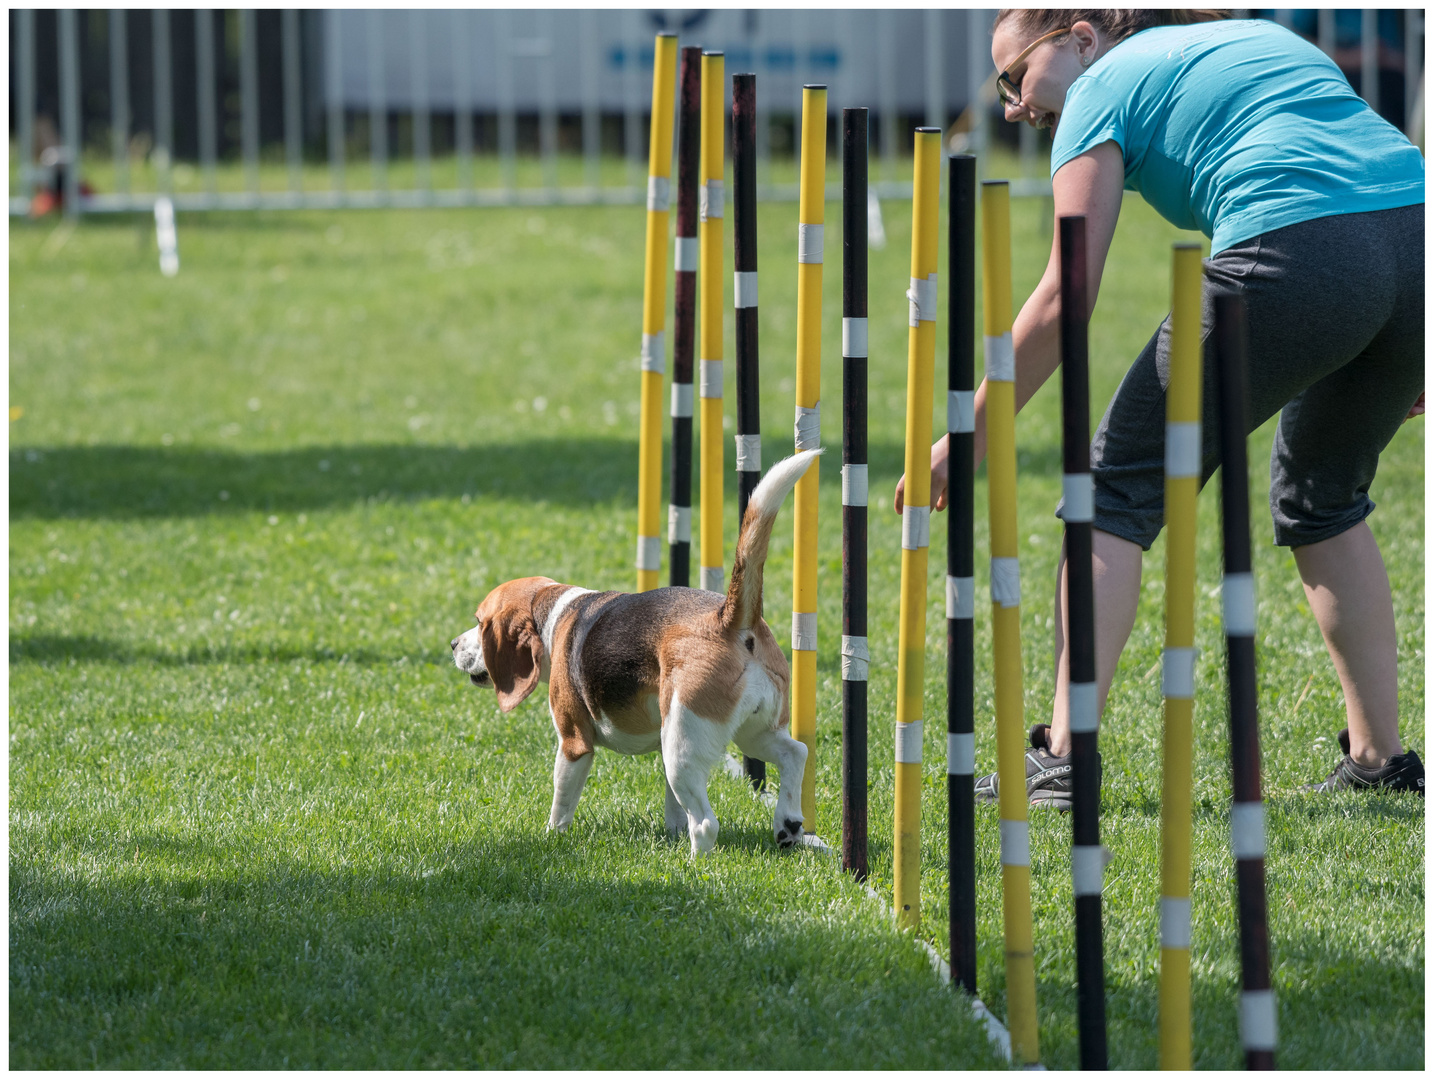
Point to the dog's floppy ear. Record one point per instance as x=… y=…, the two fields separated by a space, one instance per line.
x=512 y=652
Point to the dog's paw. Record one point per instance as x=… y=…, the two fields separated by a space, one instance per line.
x=789 y=832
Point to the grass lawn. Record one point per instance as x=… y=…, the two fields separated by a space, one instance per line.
x=257 y=819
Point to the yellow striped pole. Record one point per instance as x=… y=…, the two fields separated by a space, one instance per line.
x=810 y=216
x=1006 y=622
x=1182 y=485
x=709 y=334
x=915 y=525
x=654 y=306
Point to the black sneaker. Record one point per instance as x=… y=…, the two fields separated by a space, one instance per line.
x=1048 y=777
x=1402 y=772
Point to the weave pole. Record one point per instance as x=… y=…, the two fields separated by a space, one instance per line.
x=654 y=305
x=684 y=318
x=916 y=524
x=1247 y=816
x=709 y=286
x=810 y=215
x=744 y=291
x=960 y=569
x=1078 y=509
x=1006 y=622
x=854 y=653
x=1182 y=485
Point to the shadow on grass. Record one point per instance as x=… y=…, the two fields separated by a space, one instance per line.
x=53 y=649
x=527 y=951
x=157 y=482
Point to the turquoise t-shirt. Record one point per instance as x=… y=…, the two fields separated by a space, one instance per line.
x=1236 y=128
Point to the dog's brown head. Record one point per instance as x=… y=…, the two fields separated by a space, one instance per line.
x=505 y=649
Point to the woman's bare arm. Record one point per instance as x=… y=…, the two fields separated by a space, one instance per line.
x=1090 y=184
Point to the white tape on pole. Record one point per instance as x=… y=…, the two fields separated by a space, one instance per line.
x=744 y=288
x=685 y=255
x=1006 y=582
x=915 y=527
x=679 y=524
x=810 y=240
x=853 y=485
x=908 y=743
x=1078 y=493
x=1175 y=922
x=1000 y=358
x=659 y=190
x=709 y=200
x=1247 y=830
x=1182 y=449
x=855 y=659
x=804 y=631
x=649 y=553
x=1015 y=843
x=1177 y=677
x=710 y=578
x=960 y=754
x=921 y=297
x=808 y=427
x=1258 y=1020
x=853 y=337
x=960 y=411
x=749 y=453
x=1087 y=869
x=654 y=352
x=1084 y=717
x=1238 y=594
x=682 y=399
x=960 y=597
x=710 y=378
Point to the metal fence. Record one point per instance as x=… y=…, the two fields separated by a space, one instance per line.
x=373 y=108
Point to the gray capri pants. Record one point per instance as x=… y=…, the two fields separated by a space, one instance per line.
x=1336 y=339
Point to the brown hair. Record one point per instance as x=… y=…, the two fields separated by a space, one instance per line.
x=1117 y=24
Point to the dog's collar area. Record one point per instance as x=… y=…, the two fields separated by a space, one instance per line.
x=551 y=624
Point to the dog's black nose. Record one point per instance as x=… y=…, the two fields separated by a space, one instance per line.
x=453 y=645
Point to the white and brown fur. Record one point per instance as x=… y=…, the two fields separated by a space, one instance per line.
x=680 y=671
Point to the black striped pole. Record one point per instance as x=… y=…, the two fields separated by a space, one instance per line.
x=744 y=289
x=960 y=562
x=1247 y=816
x=689 y=143
x=854 y=654
x=1087 y=863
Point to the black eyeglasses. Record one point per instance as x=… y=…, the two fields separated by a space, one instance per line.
x=1006 y=88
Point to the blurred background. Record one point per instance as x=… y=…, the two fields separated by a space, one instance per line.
x=243 y=108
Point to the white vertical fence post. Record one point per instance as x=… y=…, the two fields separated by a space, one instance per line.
x=592 y=116
x=377 y=103
x=70 y=135
x=463 y=99
x=334 y=76
x=163 y=100
x=204 y=98
x=25 y=72
x=1369 y=57
x=249 y=100
x=420 y=112
x=507 y=113
x=546 y=48
x=293 y=101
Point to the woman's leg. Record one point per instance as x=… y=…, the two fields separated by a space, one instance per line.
x=1116 y=564
x=1348 y=591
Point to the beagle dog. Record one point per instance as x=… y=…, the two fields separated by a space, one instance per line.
x=680 y=671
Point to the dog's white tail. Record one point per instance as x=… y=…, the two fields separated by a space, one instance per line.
x=743 y=605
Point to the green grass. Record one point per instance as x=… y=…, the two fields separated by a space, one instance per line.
x=257 y=819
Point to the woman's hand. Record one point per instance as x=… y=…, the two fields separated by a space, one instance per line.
x=1417 y=409
x=938 y=479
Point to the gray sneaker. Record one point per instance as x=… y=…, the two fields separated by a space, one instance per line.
x=1402 y=772
x=1048 y=777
